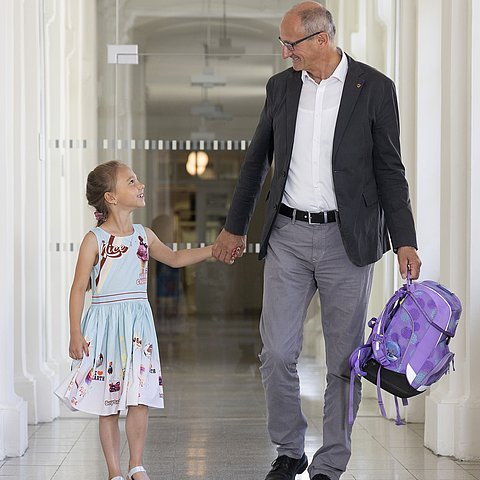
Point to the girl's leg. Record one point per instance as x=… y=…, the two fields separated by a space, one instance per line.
x=110 y=439
x=136 y=429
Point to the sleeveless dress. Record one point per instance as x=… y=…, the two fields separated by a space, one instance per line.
x=123 y=366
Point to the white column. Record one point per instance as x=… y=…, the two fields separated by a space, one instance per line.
x=13 y=409
x=421 y=32
x=406 y=81
x=428 y=138
x=34 y=380
x=71 y=120
x=467 y=409
x=57 y=187
x=440 y=419
x=56 y=279
x=405 y=78
x=347 y=20
x=437 y=38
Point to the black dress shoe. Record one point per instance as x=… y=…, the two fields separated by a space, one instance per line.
x=287 y=468
x=320 y=476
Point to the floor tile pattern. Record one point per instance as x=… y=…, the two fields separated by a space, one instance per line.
x=213 y=425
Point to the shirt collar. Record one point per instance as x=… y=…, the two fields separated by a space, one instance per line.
x=340 y=73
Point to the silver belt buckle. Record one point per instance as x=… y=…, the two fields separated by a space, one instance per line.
x=309 y=218
x=325 y=216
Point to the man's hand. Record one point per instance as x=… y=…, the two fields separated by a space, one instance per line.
x=228 y=247
x=409 y=260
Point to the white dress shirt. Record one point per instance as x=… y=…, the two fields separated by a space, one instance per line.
x=309 y=184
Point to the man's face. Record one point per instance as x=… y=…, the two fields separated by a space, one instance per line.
x=305 y=53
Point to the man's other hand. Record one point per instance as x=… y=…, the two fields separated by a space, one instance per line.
x=409 y=260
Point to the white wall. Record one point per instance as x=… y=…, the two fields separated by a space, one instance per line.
x=13 y=409
x=440 y=108
x=34 y=380
x=41 y=197
x=71 y=119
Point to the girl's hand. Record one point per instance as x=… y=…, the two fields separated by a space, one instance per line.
x=78 y=346
x=228 y=247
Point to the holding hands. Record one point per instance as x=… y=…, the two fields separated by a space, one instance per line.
x=228 y=247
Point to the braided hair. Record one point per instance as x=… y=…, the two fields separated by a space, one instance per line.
x=101 y=179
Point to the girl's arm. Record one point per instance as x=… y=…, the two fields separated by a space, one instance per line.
x=159 y=251
x=87 y=257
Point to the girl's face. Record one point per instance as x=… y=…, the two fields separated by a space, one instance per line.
x=129 y=191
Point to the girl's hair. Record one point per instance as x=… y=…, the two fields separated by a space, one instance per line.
x=101 y=179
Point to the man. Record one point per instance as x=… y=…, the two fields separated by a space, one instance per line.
x=337 y=194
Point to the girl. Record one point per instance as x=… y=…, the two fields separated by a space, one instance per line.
x=116 y=360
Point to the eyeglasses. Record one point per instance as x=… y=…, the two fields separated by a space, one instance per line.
x=291 y=45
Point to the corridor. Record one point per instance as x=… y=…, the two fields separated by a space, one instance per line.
x=213 y=426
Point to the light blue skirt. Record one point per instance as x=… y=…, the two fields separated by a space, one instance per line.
x=123 y=365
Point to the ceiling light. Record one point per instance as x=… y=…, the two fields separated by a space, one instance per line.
x=197 y=162
x=207 y=79
x=202 y=135
x=210 y=111
x=225 y=50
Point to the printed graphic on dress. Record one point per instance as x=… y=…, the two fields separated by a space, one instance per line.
x=137 y=341
x=109 y=251
x=98 y=374
x=99 y=361
x=114 y=387
x=142 y=254
x=148 y=350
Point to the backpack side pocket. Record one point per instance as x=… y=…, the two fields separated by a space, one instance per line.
x=438 y=371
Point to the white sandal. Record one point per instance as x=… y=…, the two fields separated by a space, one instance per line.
x=117 y=478
x=135 y=470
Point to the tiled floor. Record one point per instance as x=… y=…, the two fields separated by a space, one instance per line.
x=213 y=426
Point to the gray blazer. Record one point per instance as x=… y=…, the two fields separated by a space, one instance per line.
x=368 y=174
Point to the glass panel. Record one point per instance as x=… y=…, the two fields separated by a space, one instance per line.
x=189 y=147
x=196 y=93
x=195 y=96
x=199 y=86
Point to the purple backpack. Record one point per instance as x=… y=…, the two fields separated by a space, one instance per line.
x=407 y=350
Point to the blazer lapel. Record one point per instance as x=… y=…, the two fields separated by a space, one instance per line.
x=351 y=90
x=293 y=90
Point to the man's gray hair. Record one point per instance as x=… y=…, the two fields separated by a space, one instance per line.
x=317 y=19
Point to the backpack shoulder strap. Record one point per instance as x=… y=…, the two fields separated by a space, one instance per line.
x=398 y=419
x=355 y=371
x=378 y=339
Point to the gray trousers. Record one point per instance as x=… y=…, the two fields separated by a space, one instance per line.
x=301 y=259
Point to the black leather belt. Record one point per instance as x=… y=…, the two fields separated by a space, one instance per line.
x=310 y=217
